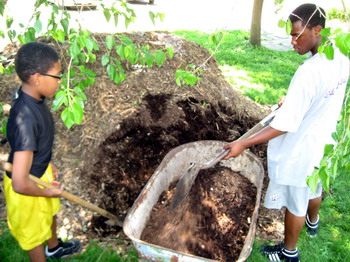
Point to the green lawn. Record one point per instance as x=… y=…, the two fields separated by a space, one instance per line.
x=261 y=73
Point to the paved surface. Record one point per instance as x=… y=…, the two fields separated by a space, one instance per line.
x=204 y=15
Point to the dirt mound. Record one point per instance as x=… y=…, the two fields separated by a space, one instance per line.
x=128 y=128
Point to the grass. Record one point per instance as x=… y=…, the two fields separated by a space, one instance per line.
x=260 y=73
x=333 y=240
x=93 y=253
x=263 y=75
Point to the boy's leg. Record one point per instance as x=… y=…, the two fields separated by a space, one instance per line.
x=53 y=241
x=37 y=254
x=313 y=208
x=56 y=248
x=292 y=228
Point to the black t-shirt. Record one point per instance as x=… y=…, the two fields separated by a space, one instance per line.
x=30 y=127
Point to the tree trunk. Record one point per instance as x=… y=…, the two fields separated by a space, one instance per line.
x=255 y=27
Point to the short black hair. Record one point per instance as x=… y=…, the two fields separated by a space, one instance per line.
x=306 y=12
x=34 y=57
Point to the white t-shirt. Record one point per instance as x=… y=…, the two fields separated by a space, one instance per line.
x=309 y=116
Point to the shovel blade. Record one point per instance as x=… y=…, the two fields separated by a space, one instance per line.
x=184 y=185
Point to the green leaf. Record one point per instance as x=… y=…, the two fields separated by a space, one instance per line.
x=149 y=59
x=65 y=24
x=334 y=167
x=111 y=70
x=120 y=51
x=21 y=39
x=105 y=59
x=178 y=81
x=126 y=40
x=9 y=22
x=161 y=16
x=152 y=16
x=74 y=49
x=80 y=93
x=215 y=38
x=116 y=19
x=89 y=43
x=120 y=75
x=335 y=136
x=312 y=181
x=59 y=35
x=324 y=177
x=67 y=117
x=170 y=52
x=329 y=52
x=281 y=23
x=55 y=9
x=160 y=57
x=288 y=27
x=30 y=35
x=79 y=102
x=127 y=51
x=328 y=149
x=60 y=99
x=110 y=42
x=107 y=14
x=342 y=41
x=38 y=26
x=325 y=32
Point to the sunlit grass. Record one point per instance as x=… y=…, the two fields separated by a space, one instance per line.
x=10 y=251
x=260 y=73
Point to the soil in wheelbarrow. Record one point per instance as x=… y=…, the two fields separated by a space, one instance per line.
x=212 y=222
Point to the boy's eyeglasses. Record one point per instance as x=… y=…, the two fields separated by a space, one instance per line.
x=57 y=77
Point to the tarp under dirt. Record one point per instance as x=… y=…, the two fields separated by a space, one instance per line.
x=128 y=128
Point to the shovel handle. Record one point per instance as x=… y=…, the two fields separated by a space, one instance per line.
x=71 y=197
x=250 y=132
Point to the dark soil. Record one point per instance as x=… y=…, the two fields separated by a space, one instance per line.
x=128 y=128
x=212 y=222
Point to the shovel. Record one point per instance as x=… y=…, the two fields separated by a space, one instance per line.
x=113 y=220
x=183 y=186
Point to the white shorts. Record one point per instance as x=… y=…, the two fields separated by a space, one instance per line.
x=295 y=199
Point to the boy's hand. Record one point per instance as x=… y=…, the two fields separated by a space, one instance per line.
x=54 y=170
x=281 y=101
x=56 y=192
x=236 y=148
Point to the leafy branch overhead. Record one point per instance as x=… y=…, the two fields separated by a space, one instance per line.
x=81 y=48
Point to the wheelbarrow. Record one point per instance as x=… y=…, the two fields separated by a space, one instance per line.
x=174 y=164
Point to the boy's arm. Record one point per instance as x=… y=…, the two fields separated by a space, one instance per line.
x=264 y=135
x=21 y=182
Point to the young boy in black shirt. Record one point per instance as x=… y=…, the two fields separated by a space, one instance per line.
x=31 y=209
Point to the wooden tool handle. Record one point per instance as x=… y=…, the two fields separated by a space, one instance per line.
x=71 y=197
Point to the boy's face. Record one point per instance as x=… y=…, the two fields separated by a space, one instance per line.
x=305 y=40
x=48 y=83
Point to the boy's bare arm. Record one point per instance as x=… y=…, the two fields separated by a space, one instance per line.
x=237 y=147
x=21 y=182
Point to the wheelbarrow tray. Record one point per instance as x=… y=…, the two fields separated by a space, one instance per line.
x=174 y=164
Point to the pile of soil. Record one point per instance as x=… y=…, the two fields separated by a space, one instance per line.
x=212 y=222
x=128 y=128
